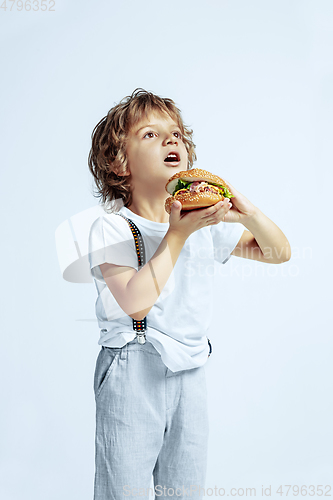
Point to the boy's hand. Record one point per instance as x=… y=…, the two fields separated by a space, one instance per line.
x=187 y=222
x=242 y=209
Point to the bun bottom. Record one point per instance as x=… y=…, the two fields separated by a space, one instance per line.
x=191 y=201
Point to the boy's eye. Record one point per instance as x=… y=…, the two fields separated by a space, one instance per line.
x=151 y=133
x=148 y=134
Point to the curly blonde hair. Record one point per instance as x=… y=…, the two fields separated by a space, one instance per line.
x=107 y=157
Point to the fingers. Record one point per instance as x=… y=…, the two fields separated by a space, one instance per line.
x=175 y=208
x=174 y=212
x=223 y=205
x=217 y=212
x=210 y=215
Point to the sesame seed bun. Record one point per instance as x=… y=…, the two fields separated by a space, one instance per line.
x=191 y=201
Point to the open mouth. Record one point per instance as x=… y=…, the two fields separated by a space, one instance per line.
x=173 y=158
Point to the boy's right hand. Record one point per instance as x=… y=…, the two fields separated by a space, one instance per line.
x=187 y=222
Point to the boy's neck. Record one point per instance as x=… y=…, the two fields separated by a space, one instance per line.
x=150 y=211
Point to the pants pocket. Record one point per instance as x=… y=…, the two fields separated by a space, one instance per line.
x=104 y=365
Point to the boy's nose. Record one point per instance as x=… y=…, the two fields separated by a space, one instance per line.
x=171 y=138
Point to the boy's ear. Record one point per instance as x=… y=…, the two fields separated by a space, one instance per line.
x=126 y=173
x=123 y=174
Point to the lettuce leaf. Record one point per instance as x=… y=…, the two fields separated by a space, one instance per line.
x=224 y=191
x=181 y=185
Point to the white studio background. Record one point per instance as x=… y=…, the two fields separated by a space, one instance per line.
x=254 y=80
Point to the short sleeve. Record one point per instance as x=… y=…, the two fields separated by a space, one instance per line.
x=225 y=236
x=111 y=240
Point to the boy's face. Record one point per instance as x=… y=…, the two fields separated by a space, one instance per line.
x=148 y=144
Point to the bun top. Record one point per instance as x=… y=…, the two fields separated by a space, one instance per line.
x=192 y=175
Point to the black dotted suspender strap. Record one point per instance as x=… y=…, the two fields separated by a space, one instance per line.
x=140 y=327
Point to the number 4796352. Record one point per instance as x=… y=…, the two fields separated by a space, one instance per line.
x=33 y=5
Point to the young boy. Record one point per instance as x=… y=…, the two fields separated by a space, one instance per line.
x=151 y=408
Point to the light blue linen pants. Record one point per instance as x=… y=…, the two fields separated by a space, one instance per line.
x=149 y=421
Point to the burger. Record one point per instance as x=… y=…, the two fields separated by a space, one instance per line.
x=195 y=188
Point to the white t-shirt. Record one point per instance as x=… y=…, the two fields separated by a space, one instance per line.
x=178 y=322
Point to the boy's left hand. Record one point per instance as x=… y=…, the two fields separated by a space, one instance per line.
x=241 y=210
